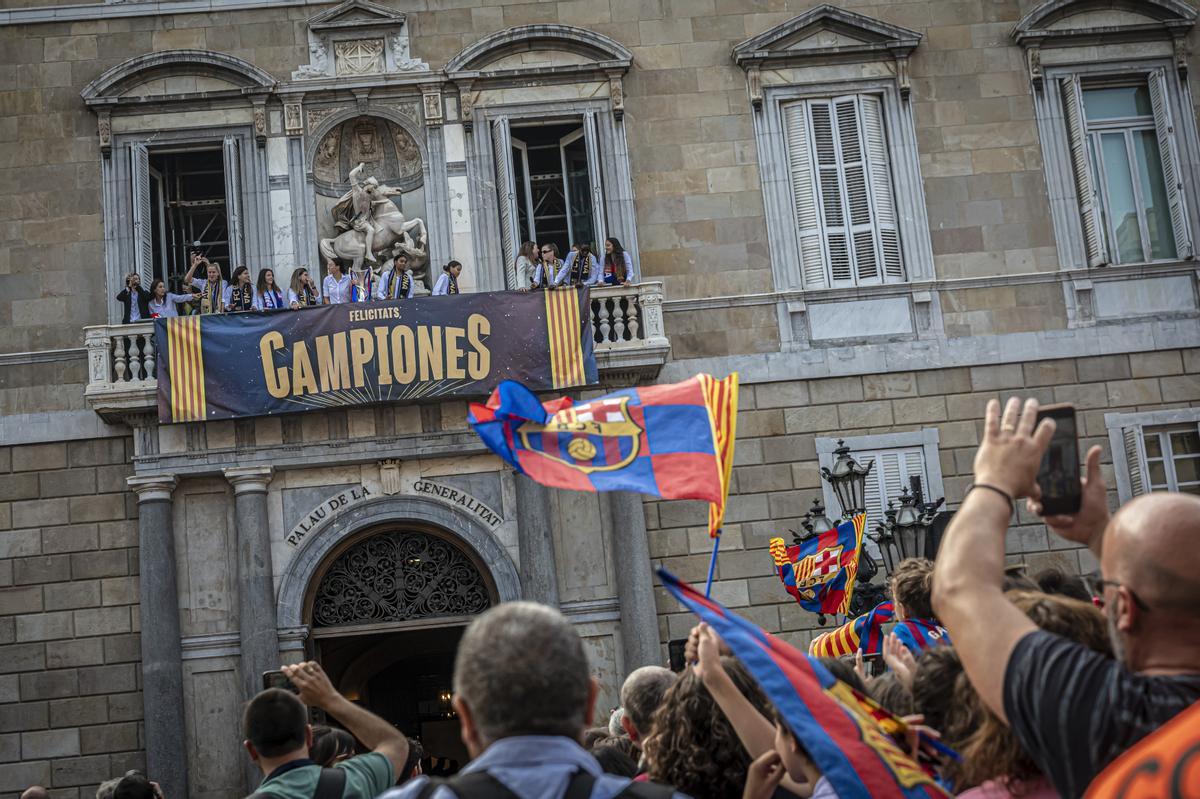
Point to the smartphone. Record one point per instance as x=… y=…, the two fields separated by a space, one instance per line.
x=675 y=651
x=1058 y=476
x=276 y=679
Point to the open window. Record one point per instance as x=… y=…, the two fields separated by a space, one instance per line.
x=1155 y=451
x=548 y=184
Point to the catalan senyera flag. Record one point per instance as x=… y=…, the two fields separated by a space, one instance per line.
x=865 y=634
x=847 y=735
x=673 y=441
x=819 y=572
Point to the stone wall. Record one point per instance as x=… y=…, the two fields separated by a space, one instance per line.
x=70 y=703
x=776 y=475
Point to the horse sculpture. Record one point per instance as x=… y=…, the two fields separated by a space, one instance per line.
x=394 y=231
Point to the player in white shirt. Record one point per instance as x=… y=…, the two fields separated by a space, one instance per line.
x=303 y=292
x=336 y=285
x=214 y=291
x=448 y=282
x=396 y=283
x=163 y=303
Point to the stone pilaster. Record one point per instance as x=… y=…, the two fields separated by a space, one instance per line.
x=162 y=655
x=256 y=587
x=635 y=582
x=539 y=577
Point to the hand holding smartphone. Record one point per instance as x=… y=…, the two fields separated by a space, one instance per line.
x=276 y=679
x=1058 y=477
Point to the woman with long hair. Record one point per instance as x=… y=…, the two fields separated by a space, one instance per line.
x=303 y=292
x=525 y=266
x=214 y=292
x=618 y=266
x=241 y=296
x=267 y=296
x=163 y=302
x=448 y=282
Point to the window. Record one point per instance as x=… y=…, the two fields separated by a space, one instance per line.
x=1123 y=155
x=1157 y=451
x=842 y=198
x=898 y=459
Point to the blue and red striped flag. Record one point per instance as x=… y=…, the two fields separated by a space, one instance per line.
x=846 y=734
x=819 y=572
x=674 y=441
x=865 y=634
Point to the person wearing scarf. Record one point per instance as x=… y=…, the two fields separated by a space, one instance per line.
x=396 y=283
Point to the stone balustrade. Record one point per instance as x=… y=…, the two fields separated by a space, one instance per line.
x=627 y=329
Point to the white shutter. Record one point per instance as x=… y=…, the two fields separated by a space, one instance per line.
x=883 y=197
x=591 y=141
x=506 y=196
x=852 y=155
x=1089 y=201
x=233 y=201
x=889 y=477
x=1172 y=176
x=1135 y=459
x=798 y=139
x=143 y=233
x=829 y=182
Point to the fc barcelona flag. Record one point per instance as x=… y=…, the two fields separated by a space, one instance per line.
x=846 y=734
x=820 y=571
x=866 y=634
x=673 y=441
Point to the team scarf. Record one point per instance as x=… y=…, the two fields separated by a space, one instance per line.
x=865 y=634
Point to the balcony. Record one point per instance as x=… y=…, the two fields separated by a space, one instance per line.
x=627 y=327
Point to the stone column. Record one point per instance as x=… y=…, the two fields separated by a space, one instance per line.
x=535 y=535
x=162 y=650
x=256 y=582
x=635 y=581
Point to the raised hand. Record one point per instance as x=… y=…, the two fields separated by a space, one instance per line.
x=899 y=660
x=1092 y=517
x=1012 y=449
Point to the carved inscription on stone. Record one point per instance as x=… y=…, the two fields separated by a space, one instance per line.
x=358 y=57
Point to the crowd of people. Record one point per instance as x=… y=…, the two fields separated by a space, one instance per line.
x=1038 y=684
x=206 y=291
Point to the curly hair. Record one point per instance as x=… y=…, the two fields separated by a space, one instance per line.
x=991 y=751
x=693 y=746
x=912 y=587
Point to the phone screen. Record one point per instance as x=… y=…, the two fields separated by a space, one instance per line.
x=1058 y=476
x=276 y=679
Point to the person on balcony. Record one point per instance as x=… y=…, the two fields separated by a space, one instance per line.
x=336 y=286
x=448 y=282
x=163 y=303
x=396 y=283
x=303 y=292
x=549 y=268
x=267 y=296
x=580 y=269
x=135 y=300
x=618 y=266
x=526 y=266
x=214 y=291
x=241 y=296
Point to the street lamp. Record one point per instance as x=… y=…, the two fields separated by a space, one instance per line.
x=814 y=523
x=905 y=531
x=848 y=479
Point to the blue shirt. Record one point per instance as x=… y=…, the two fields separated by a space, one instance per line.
x=532 y=767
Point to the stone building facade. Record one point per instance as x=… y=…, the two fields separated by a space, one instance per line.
x=880 y=213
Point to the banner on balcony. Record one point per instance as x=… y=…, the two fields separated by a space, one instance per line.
x=225 y=366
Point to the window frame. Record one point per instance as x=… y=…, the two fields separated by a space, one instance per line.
x=1053 y=127
x=903 y=162
x=1126 y=437
x=926 y=439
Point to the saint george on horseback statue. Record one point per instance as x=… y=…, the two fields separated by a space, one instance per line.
x=370 y=223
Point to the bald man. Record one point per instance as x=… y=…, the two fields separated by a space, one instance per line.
x=35 y=792
x=1073 y=710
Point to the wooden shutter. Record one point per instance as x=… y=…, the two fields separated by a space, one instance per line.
x=506 y=197
x=1165 y=128
x=1089 y=201
x=591 y=141
x=799 y=143
x=1135 y=459
x=889 y=478
x=883 y=197
x=233 y=200
x=855 y=184
x=829 y=183
x=143 y=233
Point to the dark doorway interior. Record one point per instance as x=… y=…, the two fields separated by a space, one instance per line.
x=405 y=677
x=553 y=185
x=187 y=204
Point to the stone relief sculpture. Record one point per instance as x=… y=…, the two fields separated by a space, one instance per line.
x=372 y=225
x=318 y=64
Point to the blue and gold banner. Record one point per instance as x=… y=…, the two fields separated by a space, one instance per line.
x=225 y=366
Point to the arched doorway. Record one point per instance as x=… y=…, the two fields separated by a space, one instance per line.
x=386 y=609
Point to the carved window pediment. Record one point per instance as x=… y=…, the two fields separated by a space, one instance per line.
x=358 y=38
x=1081 y=22
x=541 y=50
x=826 y=35
x=356 y=15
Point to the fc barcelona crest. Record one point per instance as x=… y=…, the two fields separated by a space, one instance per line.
x=598 y=436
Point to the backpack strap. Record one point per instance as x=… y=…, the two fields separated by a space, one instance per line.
x=330 y=784
x=580 y=786
x=476 y=785
x=645 y=790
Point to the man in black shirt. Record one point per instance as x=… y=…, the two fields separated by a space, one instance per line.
x=1073 y=710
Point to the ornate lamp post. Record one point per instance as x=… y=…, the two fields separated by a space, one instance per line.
x=905 y=531
x=848 y=479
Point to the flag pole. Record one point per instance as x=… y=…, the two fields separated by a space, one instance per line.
x=712 y=564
